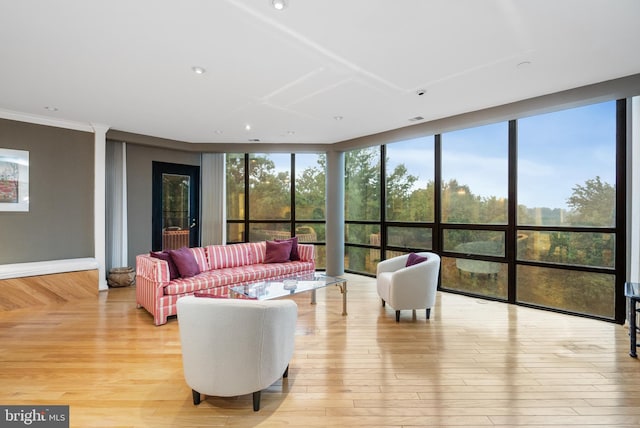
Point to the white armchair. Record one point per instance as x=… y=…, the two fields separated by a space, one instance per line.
x=413 y=287
x=233 y=347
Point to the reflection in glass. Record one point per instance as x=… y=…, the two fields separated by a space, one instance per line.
x=580 y=292
x=409 y=237
x=478 y=242
x=362 y=234
x=573 y=248
x=175 y=211
x=475 y=175
x=410 y=180
x=321 y=257
x=361 y=260
x=235 y=232
x=475 y=276
x=312 y=232
x=269 y=231
x=175 y=201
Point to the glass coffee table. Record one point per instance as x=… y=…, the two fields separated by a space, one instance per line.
x=272 y=289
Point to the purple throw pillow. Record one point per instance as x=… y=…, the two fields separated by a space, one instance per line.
x=278 y=252
x=185 y=262
x=294 y=248
x=163 y=255
x=414 y=259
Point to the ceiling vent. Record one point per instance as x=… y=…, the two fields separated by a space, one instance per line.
x=416 y=119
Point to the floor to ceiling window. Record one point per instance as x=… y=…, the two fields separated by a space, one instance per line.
x=269 y=196
x=566 y=210
x=309 y=202
x=409 y=195
x=525 y=210
x=362 y=209
x=474 y=191
x=264 y=203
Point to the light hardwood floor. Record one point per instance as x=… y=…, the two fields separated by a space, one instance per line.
x=474 y=364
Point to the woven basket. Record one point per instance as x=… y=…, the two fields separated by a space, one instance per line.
x=121 y=277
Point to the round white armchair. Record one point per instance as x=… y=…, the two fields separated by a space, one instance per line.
x=408 y=287
x=233 y=347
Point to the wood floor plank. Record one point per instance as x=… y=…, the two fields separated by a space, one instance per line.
x=474 y=363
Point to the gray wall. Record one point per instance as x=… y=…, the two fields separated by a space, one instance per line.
x=59 y=224
x=139 y=185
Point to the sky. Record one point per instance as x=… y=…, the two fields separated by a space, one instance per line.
x=556 y=152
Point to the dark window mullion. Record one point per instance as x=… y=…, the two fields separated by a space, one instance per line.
x=246 y=197
x=383 y=202
x=512 y=211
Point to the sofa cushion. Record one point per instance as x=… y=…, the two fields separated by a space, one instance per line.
x=202 y=281
x=258 y=251
x=224 y=256
x=278 y=252
x=201 y=258
x=269 y=271
x=185 y=262
x=163 y=255
x=209 y=295
x=212 y=280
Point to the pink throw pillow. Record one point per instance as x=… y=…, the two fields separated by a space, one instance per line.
x=163 y=255
x=185 y=262
x=414 y=259
x=294 y=248
x=278 y=252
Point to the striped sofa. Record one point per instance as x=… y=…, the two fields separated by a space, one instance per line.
x=221 y=267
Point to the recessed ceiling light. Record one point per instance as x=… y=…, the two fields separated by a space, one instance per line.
x=198 y=70
x=247 y=127
x=51 y=108
x=523 y=64
x=421 y=92
x=218 y=131
x=279 y=4
x=291 y=132
x=254 y=140
x=338 y=117
x=416 y=119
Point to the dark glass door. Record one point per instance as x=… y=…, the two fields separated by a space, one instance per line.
x=176 y=206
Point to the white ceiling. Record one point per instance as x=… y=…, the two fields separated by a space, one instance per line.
x=128 y=64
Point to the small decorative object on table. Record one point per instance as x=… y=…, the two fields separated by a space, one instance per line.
x=121 y=277
x=290 y=284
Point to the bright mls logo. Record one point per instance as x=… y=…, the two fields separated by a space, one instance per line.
x=34 y=416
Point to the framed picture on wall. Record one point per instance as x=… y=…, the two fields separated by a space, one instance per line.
x=14 y=180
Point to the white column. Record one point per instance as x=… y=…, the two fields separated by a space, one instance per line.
x=335 y=213
x=99 y=195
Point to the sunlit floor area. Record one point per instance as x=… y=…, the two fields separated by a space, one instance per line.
x=475 y=363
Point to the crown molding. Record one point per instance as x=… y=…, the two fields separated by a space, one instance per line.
x=45 y=120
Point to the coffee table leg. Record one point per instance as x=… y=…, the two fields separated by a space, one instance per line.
x=632 y=327
x=343 y=289
x=313 y=297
